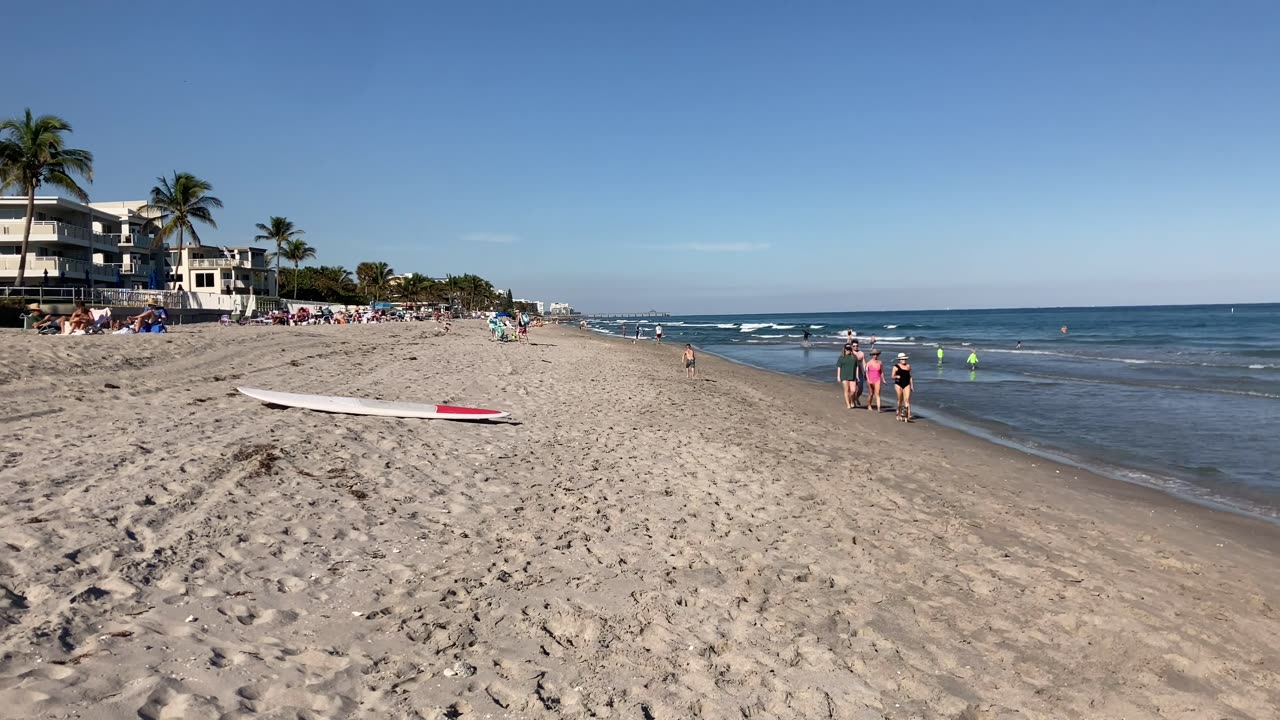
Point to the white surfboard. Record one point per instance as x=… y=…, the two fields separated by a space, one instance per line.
x=361 y=406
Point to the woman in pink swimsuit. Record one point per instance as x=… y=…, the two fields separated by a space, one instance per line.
x=875 y=375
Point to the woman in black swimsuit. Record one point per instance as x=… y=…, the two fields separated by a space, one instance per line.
x=903 y=385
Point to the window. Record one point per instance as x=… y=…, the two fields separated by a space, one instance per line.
x=204 y=280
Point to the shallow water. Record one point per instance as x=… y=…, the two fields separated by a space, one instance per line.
x=1183 y=398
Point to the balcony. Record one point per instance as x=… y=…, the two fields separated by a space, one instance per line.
x=50 y=231
x=227 y=263
x=61 y=268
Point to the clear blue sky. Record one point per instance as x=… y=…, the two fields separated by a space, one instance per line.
x=701 y=156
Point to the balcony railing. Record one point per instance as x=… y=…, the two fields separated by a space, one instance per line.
x=45 y=230
x=58 y=267
x=227 y=263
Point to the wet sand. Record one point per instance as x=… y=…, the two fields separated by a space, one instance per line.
x=632 y=545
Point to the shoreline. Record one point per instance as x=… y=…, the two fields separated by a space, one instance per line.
x=823 y=395
x=942 y=419
x=631 y=542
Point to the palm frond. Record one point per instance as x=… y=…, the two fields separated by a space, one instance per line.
x=60 y=179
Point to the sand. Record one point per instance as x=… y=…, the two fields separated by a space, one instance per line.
x=632 y=545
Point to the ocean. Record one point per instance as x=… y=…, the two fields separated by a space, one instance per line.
x=1185 y=399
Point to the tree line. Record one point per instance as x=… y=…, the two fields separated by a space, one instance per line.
x=34 y=153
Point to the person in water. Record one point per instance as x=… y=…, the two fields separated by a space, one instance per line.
x=903 y=386
x=1018 y=346
x=657 y=333
x=939 y=354
x=805 y=342
x=1064 y=329
x=875 y=376
x=972 y=362
x=690 y=362
x=847 y=375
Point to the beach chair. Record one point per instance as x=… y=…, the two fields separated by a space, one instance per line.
x=101 y=321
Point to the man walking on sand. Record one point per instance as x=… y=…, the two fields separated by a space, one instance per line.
x=690 y=362
x=657 y=333
x=862 y=368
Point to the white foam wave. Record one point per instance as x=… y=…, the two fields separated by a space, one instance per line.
x=890 y=327
x=768 y=336
x=727 y=326
x=816 y=327
x=784 y=327
x=752 y=327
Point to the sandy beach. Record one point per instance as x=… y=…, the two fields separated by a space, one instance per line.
x=630 y=545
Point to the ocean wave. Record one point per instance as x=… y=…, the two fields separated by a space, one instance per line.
x=890 y=327
x=727 y=326
x=768 y=336
x=816 y=327
x=752 y=327
x=784 y=327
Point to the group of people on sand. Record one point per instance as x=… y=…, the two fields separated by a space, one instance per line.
x=506 y=327
x=153 y=318
x=855 y=372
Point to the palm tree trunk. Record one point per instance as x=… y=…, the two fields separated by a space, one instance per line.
x=26 y=236
x=278 y=268
x=295 y=279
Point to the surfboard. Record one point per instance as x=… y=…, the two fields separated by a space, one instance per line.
x=362 y=406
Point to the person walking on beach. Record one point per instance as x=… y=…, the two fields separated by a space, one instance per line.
x=875 y=376
x=972 y=362
x=862 y=369
x=657 y=334
x=903 y=386
x=624 y=329
x=847 y=375
x=690 y=362
x=636 y=339
x=939 y=354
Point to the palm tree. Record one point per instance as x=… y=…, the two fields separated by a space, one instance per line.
x=334 y=281
x=375 y=278
x=32 y=155
x=281 y=231
x=295 y=251
x=413 y=287
x=178 y=201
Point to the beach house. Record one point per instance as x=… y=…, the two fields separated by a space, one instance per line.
x=219 y=269
x=76 y=244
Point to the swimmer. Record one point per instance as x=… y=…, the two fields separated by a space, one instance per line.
x=1018 y=346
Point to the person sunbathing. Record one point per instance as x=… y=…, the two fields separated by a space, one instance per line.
x=43 y=321
x=81 y=319
x=144 y=318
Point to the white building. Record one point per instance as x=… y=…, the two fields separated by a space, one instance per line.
x=225 y=270
x=75 y=244
x=562 y=309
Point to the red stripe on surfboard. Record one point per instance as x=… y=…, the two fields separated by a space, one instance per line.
x=452 y=410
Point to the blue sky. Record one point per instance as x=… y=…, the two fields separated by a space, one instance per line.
x=705 y=157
